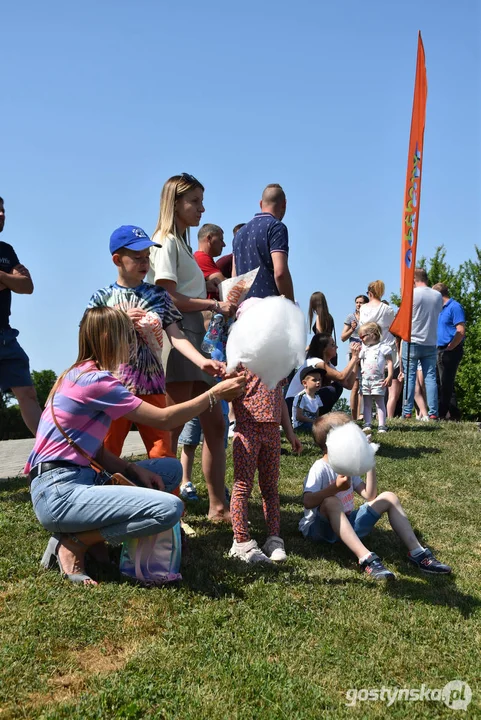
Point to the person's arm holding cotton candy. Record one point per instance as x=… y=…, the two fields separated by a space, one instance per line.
x=368 y=490
x=296 y=444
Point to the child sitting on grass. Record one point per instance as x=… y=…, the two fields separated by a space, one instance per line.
x=329 y=513
x=307 y=403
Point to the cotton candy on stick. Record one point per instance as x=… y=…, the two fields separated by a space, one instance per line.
x=150 y=330
x=269 y=338
x=349 y=451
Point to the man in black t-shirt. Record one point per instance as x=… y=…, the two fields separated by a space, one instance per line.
x=14 y=364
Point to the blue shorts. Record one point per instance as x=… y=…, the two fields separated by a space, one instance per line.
x=192 y=432
x=14 y=363
x=362 y=520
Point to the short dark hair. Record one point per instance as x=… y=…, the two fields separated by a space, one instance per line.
x=442 y=288
x=209 y=229
x=364 y=297
x=420 y=275
x=1 y=200
x=237 y=228
x=324 y=424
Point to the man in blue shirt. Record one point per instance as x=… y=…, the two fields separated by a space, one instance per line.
x=264 y=243
x=451 y=333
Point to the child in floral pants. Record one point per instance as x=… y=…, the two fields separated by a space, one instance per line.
x=257 y=446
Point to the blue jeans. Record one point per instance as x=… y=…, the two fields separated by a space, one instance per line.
x=427 y=356
x=69 y=500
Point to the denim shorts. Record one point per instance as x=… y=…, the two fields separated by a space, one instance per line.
x=14 y=363
x=192 y=432
x=71 y=500
x=362 y=520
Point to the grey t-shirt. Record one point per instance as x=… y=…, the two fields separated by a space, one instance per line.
x=427 y=304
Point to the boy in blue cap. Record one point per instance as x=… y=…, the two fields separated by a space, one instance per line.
x=151 y=310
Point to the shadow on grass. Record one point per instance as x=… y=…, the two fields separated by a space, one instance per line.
x=406 y=451
x=419 y=427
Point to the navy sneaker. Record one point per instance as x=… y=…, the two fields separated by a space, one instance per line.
x=375 y=569
x=428 y=563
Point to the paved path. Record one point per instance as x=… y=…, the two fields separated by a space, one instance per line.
x=14 y=453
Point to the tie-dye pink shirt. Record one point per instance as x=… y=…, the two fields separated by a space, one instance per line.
x=85 y=403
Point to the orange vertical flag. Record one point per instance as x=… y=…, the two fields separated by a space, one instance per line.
x=412 y=200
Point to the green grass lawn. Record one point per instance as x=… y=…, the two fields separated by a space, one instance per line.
x=234 y=641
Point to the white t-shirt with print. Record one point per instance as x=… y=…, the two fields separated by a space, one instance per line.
x=174 y=261
x=308 y=405
x=319 y=477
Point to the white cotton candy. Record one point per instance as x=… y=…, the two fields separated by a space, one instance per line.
x=349 y=451
x=269 y=338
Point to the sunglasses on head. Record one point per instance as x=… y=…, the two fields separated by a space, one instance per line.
x=189 y=178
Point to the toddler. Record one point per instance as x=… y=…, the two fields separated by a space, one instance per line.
x=329 y=513
x=257 y=446
x=375 y=357
x=307 y=403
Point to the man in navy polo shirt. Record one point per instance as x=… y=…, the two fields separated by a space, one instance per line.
x=264 y=243
x=14 y=364
x=451 y=333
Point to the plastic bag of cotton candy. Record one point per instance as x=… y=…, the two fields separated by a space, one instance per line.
x=349 y=451
x=268 y=338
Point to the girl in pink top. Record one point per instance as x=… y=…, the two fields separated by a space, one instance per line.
x=67 y=495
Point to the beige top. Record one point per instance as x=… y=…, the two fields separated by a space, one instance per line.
x=174 y=261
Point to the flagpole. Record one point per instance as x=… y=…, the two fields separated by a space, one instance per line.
x=401 y=326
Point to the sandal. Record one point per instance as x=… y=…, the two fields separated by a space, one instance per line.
x=50 y=559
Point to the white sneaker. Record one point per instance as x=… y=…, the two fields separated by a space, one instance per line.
x=423 y=418
x=231 y=430
x=274 y=549
x=248 y=551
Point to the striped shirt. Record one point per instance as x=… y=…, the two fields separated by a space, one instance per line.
x=85 y=403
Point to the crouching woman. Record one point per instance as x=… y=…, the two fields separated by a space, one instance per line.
x=68 y=496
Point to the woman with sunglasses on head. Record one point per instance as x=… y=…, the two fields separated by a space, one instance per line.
x=68 y=496
x=379 y=311
x=175 y=269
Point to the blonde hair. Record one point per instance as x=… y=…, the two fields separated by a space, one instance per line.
x=323 y=425
x=371 y=328
x=318 y=305
x=173 y=188
x=376 y=289
x=106 y=337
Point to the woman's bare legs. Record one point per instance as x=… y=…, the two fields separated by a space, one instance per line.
x=213 y=451
x=213 y=458
x=354 y=400
x=393 y=396
x=420 y=394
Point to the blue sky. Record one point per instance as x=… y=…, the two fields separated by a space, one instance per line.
x=103 y=101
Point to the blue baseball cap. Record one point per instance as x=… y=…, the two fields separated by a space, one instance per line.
x=130 y=237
